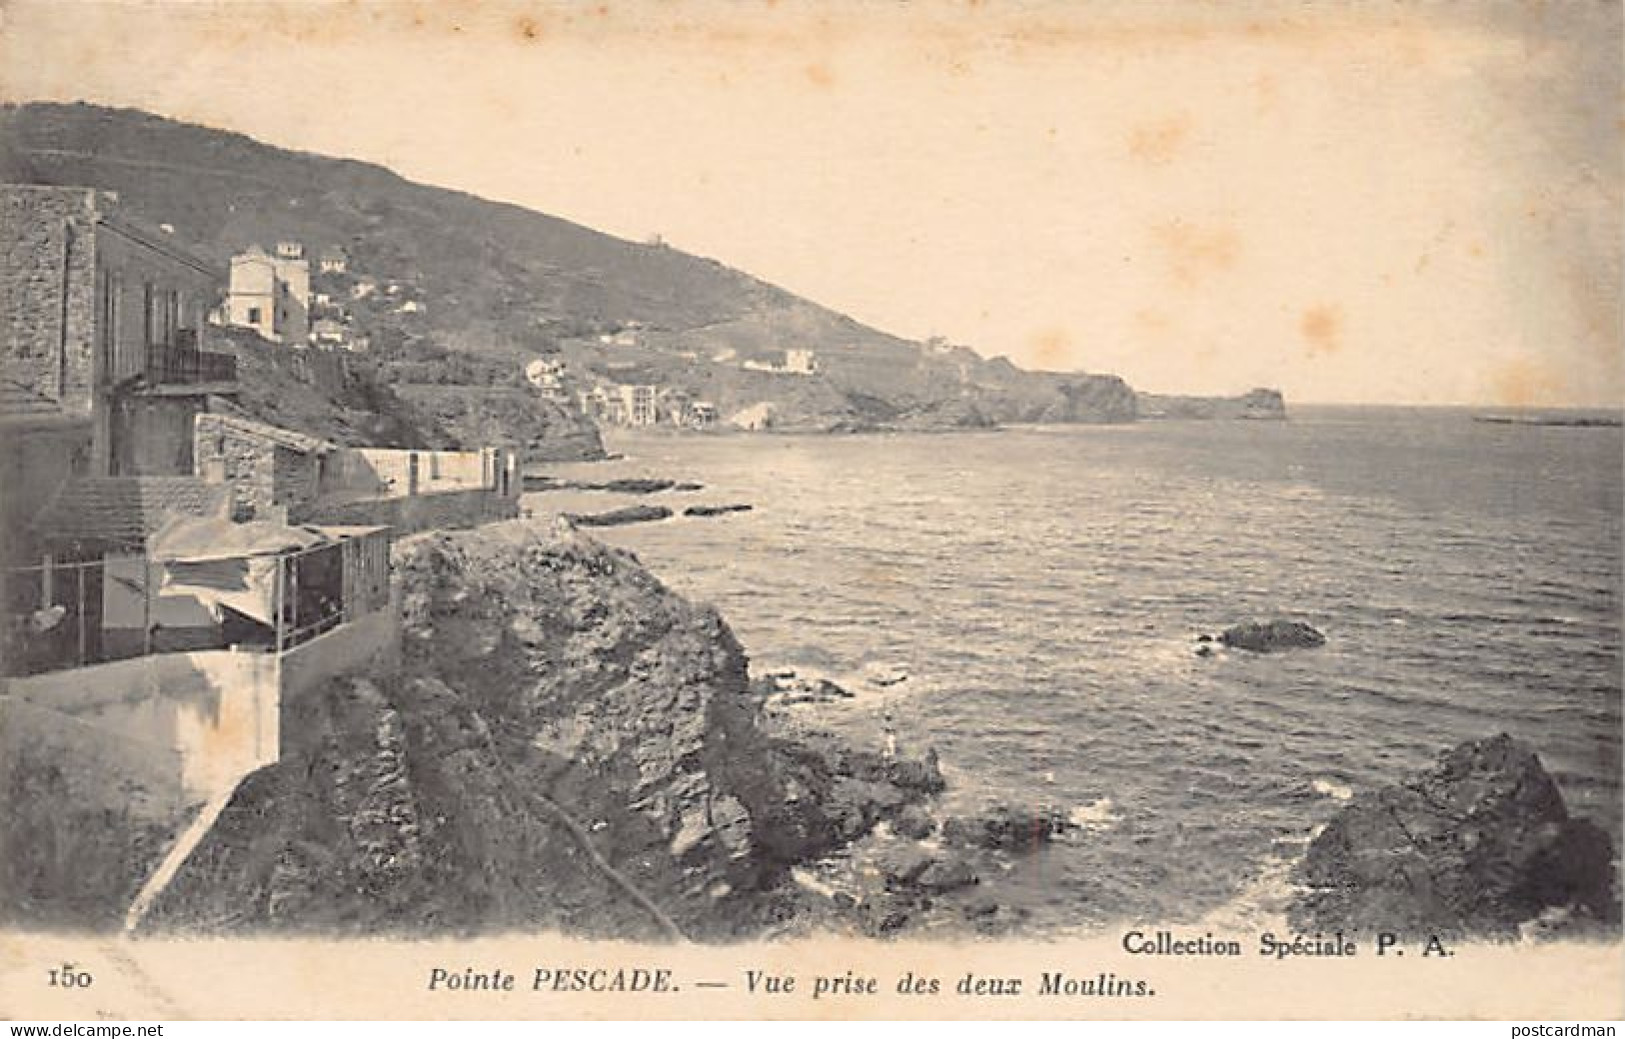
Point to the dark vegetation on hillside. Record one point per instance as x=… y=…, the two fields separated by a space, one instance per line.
x=463 y=291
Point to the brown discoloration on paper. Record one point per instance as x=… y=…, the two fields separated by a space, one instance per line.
x=1053 y=348
x=1526 y=382
x=1160 y=141
x=1194 y=253
x=1322 y=329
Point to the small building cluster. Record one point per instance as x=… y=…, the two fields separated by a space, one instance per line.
x=276 y=294
x=796 y=362
x=547 y=376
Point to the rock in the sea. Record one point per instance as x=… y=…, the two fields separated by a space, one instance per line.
x=1005 y=828
x=782 y=688
x=619 y=517
x=715 y=510
x=636 y=485
x=1477 y=845
x=1272 y=636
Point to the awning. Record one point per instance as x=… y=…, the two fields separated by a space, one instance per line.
x=199 y=539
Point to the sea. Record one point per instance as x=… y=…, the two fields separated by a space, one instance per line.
x=1029 y=602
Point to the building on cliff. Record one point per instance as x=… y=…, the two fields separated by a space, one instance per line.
x=104 y=361
x=176 y=575
x=271 y=293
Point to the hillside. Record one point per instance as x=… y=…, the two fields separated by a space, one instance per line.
x=435 y=275
x=337 y=397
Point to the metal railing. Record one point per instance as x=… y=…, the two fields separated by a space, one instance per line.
x=56 y=615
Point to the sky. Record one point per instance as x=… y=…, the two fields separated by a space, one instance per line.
x=1353 y=202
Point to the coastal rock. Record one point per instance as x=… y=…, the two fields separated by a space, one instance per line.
x=947 y=875
x=619 y=517
x=1479 y=844
x=1007 y=828
x=915 y=822
x=1272 y=636
x=915 y=870
x=857 y=787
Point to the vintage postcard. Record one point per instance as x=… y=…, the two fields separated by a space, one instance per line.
x=996 y=509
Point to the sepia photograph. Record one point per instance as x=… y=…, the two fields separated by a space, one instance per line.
x=992 y=509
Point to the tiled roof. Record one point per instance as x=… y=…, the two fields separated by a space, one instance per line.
x=301 y=442
x=126 y=508
x=17 y=399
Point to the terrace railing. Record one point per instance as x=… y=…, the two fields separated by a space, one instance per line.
x=180 y=364
x=52 y=616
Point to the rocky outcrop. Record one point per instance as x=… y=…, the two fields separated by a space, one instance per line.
x=474 y=416
x=1272 y=636
x=1088 y=399
x=1479 y=844
x=566 y=746
x=1254 y=404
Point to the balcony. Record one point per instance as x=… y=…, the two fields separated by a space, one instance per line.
x=182 y=366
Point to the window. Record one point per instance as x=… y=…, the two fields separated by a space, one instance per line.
x=149 y=314
x=108 y=321
x=172 y=315
x=253 y=315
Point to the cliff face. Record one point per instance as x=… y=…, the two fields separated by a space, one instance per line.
x=1254 y=404
x=324 y=393
x=469 y=417
x=1091 y=398
x=567 y=745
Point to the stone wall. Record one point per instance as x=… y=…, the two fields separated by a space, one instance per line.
x=445 y=510
x=221 y=453
x=295 y=477
x=369 y=471
x=264 y=475
x=47 y=291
